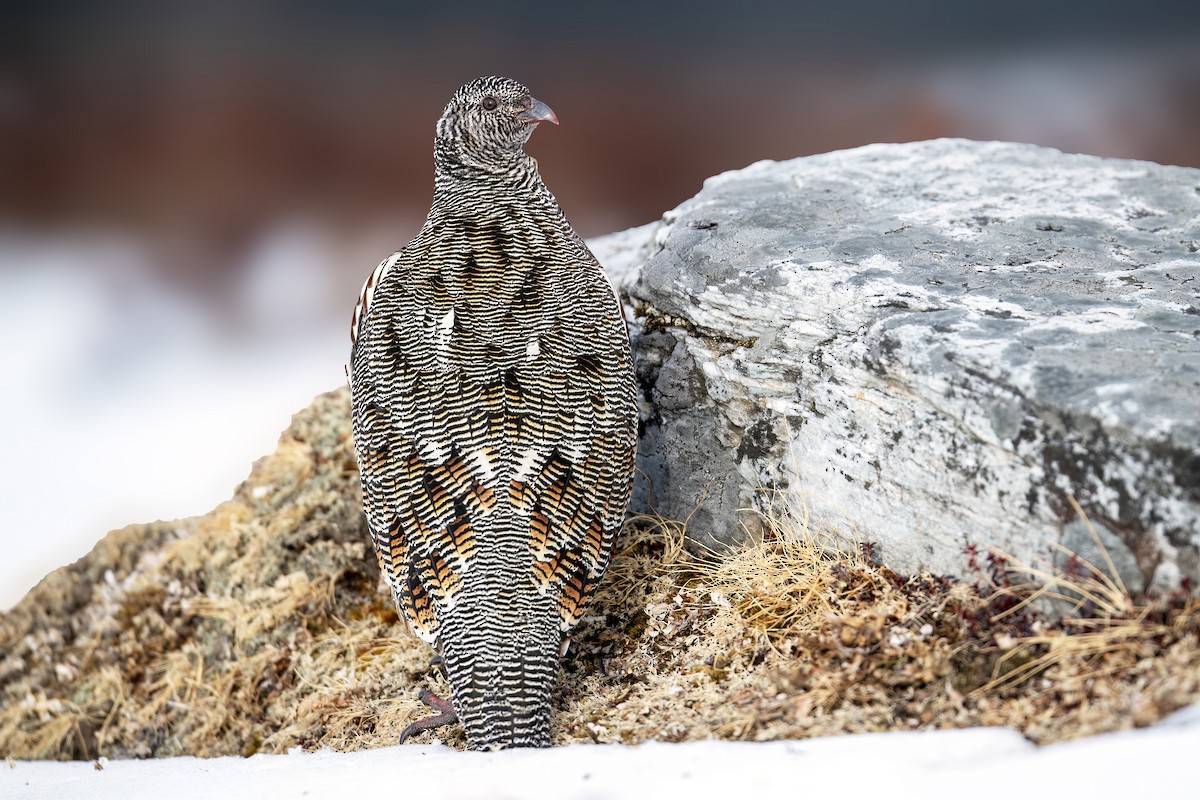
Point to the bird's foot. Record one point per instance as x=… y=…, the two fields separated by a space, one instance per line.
x=439 y=661
x=445 y=715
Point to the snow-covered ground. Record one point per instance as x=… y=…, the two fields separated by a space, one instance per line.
x=977 y=764
x=126 y=403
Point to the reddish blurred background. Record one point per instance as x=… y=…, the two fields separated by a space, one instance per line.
x=192 y=192
x=196 y=127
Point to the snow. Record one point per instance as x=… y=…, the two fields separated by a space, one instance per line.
x=978 y=763
x=116 y=392
x=117 y=389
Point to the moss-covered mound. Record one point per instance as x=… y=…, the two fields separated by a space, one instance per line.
x=263 y=625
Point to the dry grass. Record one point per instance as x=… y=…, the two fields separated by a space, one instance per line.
x=1103 y=636
x=263 y=626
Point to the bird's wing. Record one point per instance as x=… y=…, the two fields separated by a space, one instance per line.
x=394 y=398
x=576 y=437
x=363 y=306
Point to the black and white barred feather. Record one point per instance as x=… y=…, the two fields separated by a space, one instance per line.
x=494 y=418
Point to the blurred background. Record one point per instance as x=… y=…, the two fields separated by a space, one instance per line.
x=192 y=193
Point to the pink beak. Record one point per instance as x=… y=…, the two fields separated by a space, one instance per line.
x=537 y=112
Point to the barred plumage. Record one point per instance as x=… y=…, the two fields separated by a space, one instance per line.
x=494 y=418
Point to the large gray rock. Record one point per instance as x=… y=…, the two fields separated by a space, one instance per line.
x=932 y=346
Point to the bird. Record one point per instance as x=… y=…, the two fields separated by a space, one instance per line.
x=494 y=415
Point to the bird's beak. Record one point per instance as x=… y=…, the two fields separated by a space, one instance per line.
x=537 y=112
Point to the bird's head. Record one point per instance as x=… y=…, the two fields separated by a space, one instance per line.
x=488 y=121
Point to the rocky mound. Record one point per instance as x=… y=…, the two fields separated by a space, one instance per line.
x=882 y=362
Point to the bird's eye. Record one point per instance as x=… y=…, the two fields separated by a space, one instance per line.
x=489 y=103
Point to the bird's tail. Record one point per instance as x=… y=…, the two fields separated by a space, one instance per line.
x=501 y=682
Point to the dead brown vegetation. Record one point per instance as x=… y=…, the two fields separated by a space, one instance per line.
x=262 y=626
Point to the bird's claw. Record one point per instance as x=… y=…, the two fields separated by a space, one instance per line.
x=445 y=715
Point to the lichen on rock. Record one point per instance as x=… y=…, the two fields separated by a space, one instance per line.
x=938 y=343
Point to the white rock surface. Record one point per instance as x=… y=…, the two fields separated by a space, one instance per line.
x=932 y=346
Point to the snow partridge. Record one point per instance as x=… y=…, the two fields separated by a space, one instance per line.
x=495 y=421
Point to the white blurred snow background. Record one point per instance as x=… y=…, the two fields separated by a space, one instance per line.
x=127 y=401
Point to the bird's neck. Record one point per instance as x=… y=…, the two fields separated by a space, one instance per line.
x=453 y=162
x=461 y=186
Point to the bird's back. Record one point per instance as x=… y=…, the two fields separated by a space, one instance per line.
x=495 y=421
